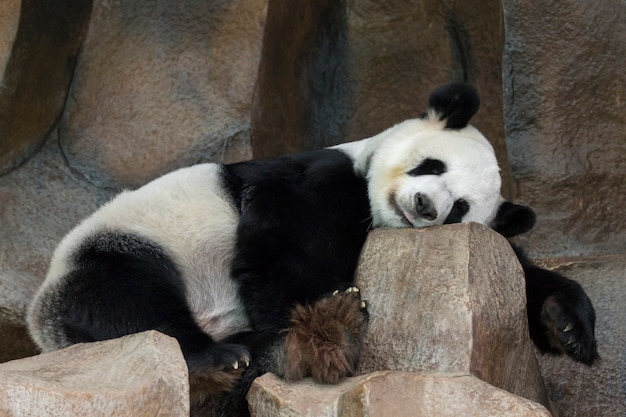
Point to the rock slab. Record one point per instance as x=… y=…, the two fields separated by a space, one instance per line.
x=448 y=300
x=138 y=375
x=388 y=393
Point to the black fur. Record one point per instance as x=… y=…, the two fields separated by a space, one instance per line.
x=459 y=209
x=513 y=219
x=455 y=103
x=304 y=218
x=429 y=167
x=123 y=284
x=561 y=318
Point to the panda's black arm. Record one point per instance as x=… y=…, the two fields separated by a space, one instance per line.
x=561 y=317
x=303 y=221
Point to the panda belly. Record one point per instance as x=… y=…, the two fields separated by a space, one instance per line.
x=186 y=217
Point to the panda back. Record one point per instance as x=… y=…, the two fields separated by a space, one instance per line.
x=191 y=219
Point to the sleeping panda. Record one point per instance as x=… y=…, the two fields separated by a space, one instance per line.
x=225 y=257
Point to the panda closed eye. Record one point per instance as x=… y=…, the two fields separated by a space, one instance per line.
x=428 y=167
x=459 y=209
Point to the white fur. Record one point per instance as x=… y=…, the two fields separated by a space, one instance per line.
x=472 y=172
x=188 y=215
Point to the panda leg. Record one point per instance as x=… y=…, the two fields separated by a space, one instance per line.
x=120 y=285
x=324 y=339
x=561 y=317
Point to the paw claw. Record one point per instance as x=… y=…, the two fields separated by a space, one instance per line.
x=363 y=304
x=335 y=292
x=352 y=290
x=568 y=328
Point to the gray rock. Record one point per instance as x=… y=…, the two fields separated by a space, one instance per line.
x=161 y=85
x=448 y=300
x=38 y=46
x=139 y=375
x=565 y=117
x=39 y=204
x=388 y=393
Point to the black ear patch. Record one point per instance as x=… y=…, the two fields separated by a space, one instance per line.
x=513 y=219
x=455 y=103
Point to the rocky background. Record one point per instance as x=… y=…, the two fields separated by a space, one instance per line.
x=96 y=96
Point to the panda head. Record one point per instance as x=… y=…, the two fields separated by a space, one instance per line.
x=438 y=169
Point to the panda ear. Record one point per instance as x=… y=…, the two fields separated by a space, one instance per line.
x=513 y=219
x=455 y=103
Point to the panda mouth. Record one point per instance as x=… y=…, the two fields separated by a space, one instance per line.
x=410 y=219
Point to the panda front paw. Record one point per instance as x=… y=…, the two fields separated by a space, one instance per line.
x=217 y=368
x=325 y=339
x=569 y=324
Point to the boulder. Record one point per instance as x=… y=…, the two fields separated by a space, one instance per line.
x=38 y=47
x=565 y=122
x=39 y=204
x=388 y=393
x=139 y=375
x=161 y=85
x=448 y=300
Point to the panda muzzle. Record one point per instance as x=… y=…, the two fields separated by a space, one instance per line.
x=425 y=207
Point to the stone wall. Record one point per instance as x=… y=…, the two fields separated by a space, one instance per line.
x=565 y=120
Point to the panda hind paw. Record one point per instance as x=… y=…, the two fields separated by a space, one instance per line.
x=325 y=338
x=217 y=368
x=570 y=328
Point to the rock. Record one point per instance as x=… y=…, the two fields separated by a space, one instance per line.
x=9 y=20
x=39 y=204
x=38 y=48
x=388 y=393
x=448 y=300
x=138 y=375
x=303 y=84
x=578 y=390
x=565 y=118
x=15 y=293
x=161 y=85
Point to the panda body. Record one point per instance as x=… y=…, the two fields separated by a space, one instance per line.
x=213 y=251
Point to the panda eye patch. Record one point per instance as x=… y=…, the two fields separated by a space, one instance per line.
x=428 y=167
x=459 y=209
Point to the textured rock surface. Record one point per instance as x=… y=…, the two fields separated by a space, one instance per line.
x=161 y=85
x=398 y=394
x=36 y=66
x=139 y=375
x=448 y=300
x=39 y=203
x=565 y=109
x=599 y=391
x=303 y=84
x=9 y=19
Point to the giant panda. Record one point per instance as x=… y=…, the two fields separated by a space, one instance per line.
x=225 y=257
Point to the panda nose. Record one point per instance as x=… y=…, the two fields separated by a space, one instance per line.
x=425 y=207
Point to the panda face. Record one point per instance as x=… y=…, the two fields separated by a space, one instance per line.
x=424 y=174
